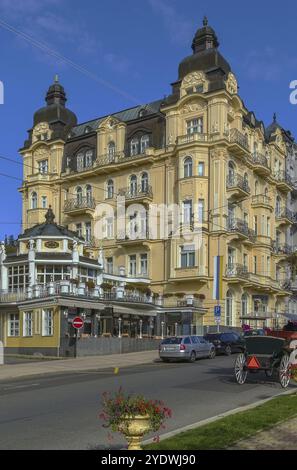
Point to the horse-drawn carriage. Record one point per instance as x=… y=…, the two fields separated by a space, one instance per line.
x=277 y=357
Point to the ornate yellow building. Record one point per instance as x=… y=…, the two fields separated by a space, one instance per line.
x=201 y=149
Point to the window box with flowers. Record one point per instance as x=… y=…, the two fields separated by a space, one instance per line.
x=133 y=416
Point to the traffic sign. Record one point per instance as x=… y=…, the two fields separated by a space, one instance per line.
x=217 y=311
x=77 y=323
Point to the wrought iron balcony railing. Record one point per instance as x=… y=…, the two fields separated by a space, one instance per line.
x=259 y=159
x=236 y=270
x=237 y=225
x=237 y=181
x=285 y=213
x=281 y=248
x=79 y=203
x=137 y=191
x=237 y=137
x=283 y=177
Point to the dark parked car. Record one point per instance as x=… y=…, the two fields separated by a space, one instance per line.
x=226 y=343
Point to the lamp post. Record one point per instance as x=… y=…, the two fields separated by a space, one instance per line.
x=162 y=329
x=120 y=327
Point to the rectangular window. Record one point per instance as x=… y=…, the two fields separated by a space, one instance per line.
x=268 y=227
x=14 y=324
x=43 y=202
x=109 y=227
x=143 y=264
x=109 y=265
x=88 y=229
x=201 y=169
x=43 y=167
x=187 y=256
x=79 y=230
x=187 y=212
x=255 y=264
x=245 y=260
x=201 y=205
x=132 y=265
x=195 y=126
x=18 y=277
x=256 y=224
x=28 y=324
x=268 y=266
x=47 y=323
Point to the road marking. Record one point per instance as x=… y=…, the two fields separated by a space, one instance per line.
x=19 y=386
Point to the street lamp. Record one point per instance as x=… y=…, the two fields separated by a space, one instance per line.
x=120 y=327
x=162 y=329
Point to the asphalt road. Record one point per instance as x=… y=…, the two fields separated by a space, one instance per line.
x=61 y=411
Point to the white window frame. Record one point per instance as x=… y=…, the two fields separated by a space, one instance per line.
x=44 y=202
x=47 y=322
x=28 y=324
x=43 y=167
x=143 y=264
x=13 y=325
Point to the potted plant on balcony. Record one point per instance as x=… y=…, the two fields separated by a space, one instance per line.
x=90 y=285
x=133 y=416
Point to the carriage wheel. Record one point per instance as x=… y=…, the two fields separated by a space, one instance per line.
x=284 y=371
x=239 y=369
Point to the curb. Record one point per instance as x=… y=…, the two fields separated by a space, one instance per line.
x=189 y=427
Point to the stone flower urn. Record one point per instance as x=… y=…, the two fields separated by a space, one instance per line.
x=134 y=428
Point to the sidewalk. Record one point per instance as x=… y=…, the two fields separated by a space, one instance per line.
x=280 y=437
x=13 y=371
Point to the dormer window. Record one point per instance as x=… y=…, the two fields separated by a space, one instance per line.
x=111 y=150
x=43 y=167
x=89 y=158
x=134 y=147
x=144 y=143
x=84 y=160
x=195 y=126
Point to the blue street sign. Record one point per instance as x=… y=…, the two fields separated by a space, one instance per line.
x=217 y=311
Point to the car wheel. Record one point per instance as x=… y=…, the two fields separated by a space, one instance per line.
x=228 y=350
x=192 y=357
x=212 y=353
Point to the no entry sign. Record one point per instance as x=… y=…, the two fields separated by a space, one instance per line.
x=77 y=323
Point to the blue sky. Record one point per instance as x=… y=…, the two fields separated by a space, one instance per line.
x=133 y=48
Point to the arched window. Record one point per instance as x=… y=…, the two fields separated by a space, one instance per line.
x=188 y=167
x=89 y=193
x=133 y=184
x=110 y=189
x=89 y=158
x=278 y=204
x=144 y=182
x=229 y=309
x=34 y=200
x=231 y=172
x=79 y=195
x=134 y=147
x=43 y=202
x=256 y=188
x=246 y=182
x=144 y=143
x=111 y=150
x=244 y=305
x=80 y=161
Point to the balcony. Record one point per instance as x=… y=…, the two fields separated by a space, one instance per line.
x=283 y=181
x=237 y=186
x=283 y=216
x=127 y=237
x=189 y=138
x=281 y=249
x=238 y=143
x=262 y=201
x=260 y=164
x=236 y=271
x=238 y=226
x=143 y=193
x=79 y=206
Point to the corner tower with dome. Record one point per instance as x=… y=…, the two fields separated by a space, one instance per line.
x=200 y=148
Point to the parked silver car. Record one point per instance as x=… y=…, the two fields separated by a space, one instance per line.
x=187 y=348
